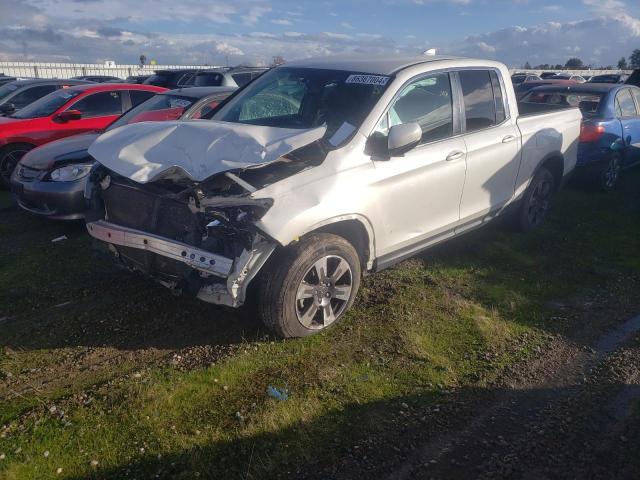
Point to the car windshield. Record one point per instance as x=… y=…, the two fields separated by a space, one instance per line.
x=306 y=98
x=587 y=102
x=46 y=105
x=7 y=89
x=516 y=79
x=158 y=108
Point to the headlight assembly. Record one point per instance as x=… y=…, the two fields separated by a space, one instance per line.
x=70 y=173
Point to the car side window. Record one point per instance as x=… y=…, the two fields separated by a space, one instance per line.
x=498 y=98
x=99 y=104
x=479 y=102
x=427 y=102
x=242 y=78
x=139 y=96
x=636 y=94
x=626 y=105
x=30 y=95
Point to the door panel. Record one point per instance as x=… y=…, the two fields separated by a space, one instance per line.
x=419 y=193
x=492 y=144
x=631 y=129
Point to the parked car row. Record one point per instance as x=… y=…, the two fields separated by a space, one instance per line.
x=311 y=174
x=50 y=180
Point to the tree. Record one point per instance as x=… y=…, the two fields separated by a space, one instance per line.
x=558 y=67
x=143 y=60
x=527 y=66
x=622 y=64
x=634 y=59
x=574 y=64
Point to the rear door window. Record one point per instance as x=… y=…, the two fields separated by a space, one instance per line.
x=100 y=104
x=626 y=105
x=139 y=96
x=479 y=103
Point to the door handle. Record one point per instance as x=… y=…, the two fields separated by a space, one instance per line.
x=456 y=155
x=508 y=138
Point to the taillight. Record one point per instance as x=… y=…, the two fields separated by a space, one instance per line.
x=591 y=133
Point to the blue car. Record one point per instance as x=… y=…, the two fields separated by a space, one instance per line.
x=610 y=135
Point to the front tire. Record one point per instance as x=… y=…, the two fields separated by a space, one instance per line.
x=9 y=158
x=536 y=202
x=309 y=286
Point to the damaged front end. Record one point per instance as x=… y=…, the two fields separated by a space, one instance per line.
x=197 y=238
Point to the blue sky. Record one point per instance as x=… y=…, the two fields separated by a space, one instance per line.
x=253 y=31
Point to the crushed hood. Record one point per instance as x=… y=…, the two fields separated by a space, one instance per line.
x=197 y=149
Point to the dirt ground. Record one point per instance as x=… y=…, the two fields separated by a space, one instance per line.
x=573 y=411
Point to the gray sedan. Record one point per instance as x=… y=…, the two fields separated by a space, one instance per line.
x=50 y=180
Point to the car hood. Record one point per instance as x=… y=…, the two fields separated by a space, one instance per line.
x=64 y=150
x=196 y=149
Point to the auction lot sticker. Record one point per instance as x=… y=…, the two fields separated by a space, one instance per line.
x=368 y=79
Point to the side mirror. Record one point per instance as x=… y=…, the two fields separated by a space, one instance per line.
x=69 y=115
x=7 y=108
x=403 y=138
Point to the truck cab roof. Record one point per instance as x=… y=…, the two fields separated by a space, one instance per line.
x=376 y=65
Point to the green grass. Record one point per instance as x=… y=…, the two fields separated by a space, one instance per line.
x=453 y=318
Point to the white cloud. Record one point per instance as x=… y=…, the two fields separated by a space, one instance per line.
x=281 y=21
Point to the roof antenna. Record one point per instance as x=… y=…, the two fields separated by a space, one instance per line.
x=429 y=53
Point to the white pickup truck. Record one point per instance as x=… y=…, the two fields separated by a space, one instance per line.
x=320 y=171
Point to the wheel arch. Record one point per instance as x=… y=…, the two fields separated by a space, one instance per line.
x=354 y=228
x=554 y=162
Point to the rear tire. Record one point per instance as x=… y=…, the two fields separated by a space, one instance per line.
x=9 y=158
x=536 y=202
x=308 y=286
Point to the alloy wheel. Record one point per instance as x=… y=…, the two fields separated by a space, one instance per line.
x=324 y=292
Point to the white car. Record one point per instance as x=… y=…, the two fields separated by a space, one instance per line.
x=321 y=171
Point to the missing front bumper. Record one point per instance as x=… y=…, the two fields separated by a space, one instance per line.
x=238 y=272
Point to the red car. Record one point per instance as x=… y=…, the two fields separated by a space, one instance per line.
x=66 y=112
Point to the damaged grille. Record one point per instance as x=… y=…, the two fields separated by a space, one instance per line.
x=135 y=207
